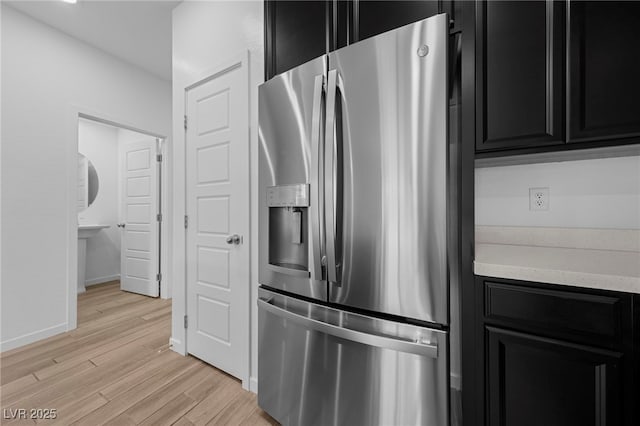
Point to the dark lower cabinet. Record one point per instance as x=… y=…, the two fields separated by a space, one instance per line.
x=552 y=355
x=533 y=381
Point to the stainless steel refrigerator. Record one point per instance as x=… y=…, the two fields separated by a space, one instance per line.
x=357 y=225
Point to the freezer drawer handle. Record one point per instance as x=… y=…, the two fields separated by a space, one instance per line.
x=400 y=345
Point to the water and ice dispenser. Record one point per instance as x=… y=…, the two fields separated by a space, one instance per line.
x=288 y=228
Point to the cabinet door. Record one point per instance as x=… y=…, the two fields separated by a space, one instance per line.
x=604 y=70
x=295 y=32
x=339 y=25
x=374 y=17
x=533 y=381
x=519 y=74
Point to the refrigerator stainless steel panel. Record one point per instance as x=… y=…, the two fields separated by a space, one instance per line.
x=322 y=366
x=290 y=136
x=386 y=156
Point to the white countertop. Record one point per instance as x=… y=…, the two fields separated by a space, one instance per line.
x=607 y=269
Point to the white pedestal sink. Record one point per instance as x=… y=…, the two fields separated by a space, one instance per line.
x=84 y=233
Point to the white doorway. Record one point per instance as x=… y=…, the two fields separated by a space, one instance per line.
x=122 y=214
x=217 y=212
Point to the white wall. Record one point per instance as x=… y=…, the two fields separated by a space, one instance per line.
x=127 y=136
x=47 y=77
x=99 y=144
x=595 y=193
x=206 y=34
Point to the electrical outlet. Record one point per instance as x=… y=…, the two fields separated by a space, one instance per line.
x=538 y=199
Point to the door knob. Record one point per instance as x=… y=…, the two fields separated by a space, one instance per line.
x=234 y=239
x=121 y=225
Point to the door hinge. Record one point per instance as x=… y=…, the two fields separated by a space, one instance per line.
x=159 y=217
x=186 y=221
x=158 y=277
x=186 y=322
x=159 y=158
x=185 y=122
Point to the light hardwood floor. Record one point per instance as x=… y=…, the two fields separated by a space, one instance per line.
x=117 y=368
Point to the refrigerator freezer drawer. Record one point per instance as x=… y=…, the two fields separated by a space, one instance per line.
x=320 y=366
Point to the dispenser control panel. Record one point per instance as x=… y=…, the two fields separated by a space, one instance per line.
x=288 y=195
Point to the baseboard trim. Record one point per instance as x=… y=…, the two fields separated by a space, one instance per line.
x=100 y=280
x=177 y=346
x=253 y=384
x=25 y=339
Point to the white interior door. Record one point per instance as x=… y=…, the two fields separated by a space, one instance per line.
x=139 y=194
x=217 y=176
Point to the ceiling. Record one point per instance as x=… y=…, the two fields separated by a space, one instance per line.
x=138 y=32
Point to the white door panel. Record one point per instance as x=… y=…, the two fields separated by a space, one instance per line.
x=139 y=243
x=138 y=213
x=217 y=155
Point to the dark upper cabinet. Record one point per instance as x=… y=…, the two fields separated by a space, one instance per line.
x=551 y=72
x=341 y=12
x=373 y=17
x=298 y=31
x=604 y=70
x=295 y=32
x=535 y=381
x=520 y=59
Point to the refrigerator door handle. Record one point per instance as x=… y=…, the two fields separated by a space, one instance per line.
x=331 y=218
x=317 y=186
x=401 y=345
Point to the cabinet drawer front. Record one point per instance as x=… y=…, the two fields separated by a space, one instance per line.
x=592 y=318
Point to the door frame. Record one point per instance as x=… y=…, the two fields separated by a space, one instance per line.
x=75 y=113
x=179 y=308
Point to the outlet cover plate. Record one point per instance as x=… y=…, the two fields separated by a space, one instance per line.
x=538 y=199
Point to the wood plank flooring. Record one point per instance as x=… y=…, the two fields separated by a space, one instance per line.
x=117 y=368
